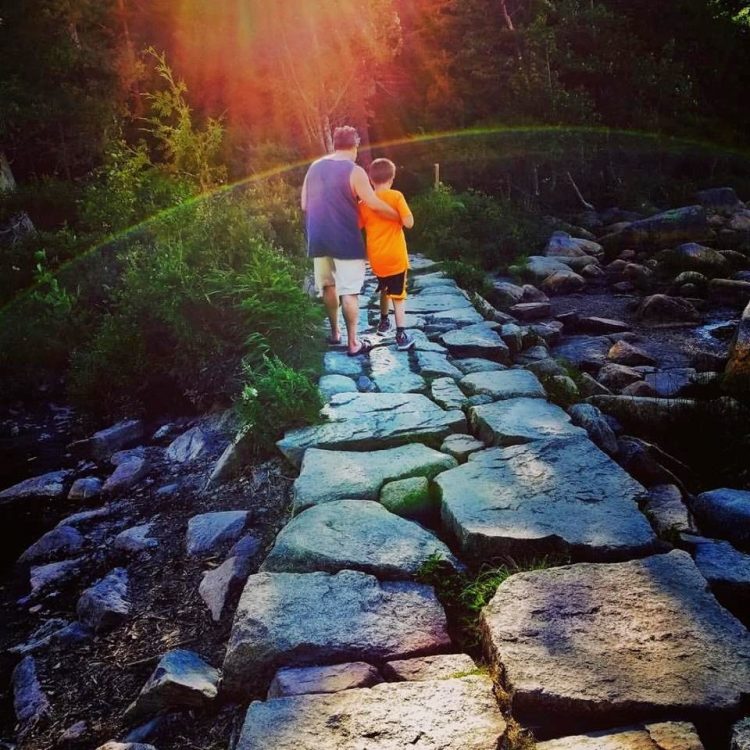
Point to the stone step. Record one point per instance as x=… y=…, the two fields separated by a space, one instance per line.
x=610 y=644
x=434 y=303
x=326 y=476
x=503 y=385
x=546 y=497
x=354 y=535
x=367 y=421
x=302 y=619
x=669 y=735
x=457 y=714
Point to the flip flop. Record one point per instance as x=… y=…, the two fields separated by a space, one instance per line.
x=331 y=341
x=365 y=347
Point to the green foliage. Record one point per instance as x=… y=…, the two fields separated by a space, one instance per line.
x=276 y=398
x=464 y=594
x=471 y=227
x=467 y=276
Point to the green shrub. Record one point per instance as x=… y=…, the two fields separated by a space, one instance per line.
x=276 y=398
x=467 y=276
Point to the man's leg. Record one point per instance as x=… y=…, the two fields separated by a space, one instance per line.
x=326 y=285
x=350 y=307
x=350 y=275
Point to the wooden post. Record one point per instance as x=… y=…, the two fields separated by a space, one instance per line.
x=437 y=175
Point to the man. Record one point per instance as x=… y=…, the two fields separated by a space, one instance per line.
x=329 y=199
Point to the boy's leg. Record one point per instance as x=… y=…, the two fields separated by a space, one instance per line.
x=385 y=324
x=399 y=308
x=326 y=285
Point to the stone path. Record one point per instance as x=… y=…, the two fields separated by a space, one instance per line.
x=624 y=648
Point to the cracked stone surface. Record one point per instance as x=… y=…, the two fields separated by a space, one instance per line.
x=504 y=385
x=559 y=496
x=671 y=735
x=617 y=643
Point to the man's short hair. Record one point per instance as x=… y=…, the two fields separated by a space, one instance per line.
x=382 y=170
x=345 y=138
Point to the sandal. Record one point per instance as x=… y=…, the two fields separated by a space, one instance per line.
x=365 y=347
x=331 y=341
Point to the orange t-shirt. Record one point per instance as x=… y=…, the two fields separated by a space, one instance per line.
x=386 y=244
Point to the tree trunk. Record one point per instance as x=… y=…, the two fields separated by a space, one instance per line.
x=7 y=181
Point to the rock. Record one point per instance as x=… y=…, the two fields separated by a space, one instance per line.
x=729 y=292
x=435 y=303
x=724 y=513
x=430 y=280
x=320 y=477
x=670 y=383
x=598 y=326
x=72 y=634
x=29 y=701
x=391 y=372
x=435 y=365
x=50 y=485
x=504 y=385
x=547 y=497
x=457 y=714
x=409 y=498
x=588 y=387
x=664 y=229
x=446 y=394
x=520 y=420
x=135 y=540
x=438 y=667
x=86 y=488
x=646 y=462
x=668 y=514
x=477 y=364
x=737 y=372
x=207 y=532
x=741 y=735
x=74 y=733
x=561 y=244
x=624 y=353
x=660 y=309
x=105 y=604
x=670 y=735
x=104 y=443
x=539 y=267
x=563 y=282
x=298 y=619
x=726 y=569
x=616 y=377
x=125 y=476
x=353 y=535
x=187 y=447
x=332 y=679
x=526 y=311
x=533 y=354
x=504 y=294
x=476 y=341
x=329 y=385
x=62 y=540
x=44 y=576
x=120 y=457
x=546 y=368
x=340 y=363
x=366 y=421
x=532 y=294
x=596 y=426
x=461 y=446
x=719 y=199
x=615 y=643
x=450 y=319
x=40 y=638
x=584 y=352
x=224 y=582
x=549 y=332
x=181 y=680
x=112 y=745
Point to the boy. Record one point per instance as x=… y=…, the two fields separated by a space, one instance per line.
x=386 y=249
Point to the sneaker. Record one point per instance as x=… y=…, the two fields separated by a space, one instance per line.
x=404 y=341
x=384 y=325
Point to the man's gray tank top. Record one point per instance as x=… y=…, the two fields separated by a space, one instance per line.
x=332 y=218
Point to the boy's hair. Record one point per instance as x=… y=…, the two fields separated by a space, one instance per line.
x=345 y=138
x=381 y=171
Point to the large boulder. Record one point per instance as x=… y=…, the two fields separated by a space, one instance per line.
x=616 y=377
x=539 y=267
x=725 y=513
x=625 y=353
x=661 y=230
x=660 y=309
x=584 y=352
x=302 y=619
x=504 y=294
x=457 y=714
x=719 y=199
x=547 y=497
x=607 y=644
x=731 y=292
x=692 y=256
x=50 y=485
x=737 y=372
x=320 y=478
x=367 y=421
x=60 y=541
x=353 y=535
x=476 y=341
x=563 y=282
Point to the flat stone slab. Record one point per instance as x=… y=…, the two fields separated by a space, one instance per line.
x=521 y=420
x=585 y=352
x=340 y=363
x=476 y=341
x=439 y=715
x=668 y=735
x=504 y=385
x=446 y=394
x=465 y=316
x=725 y=568
x=437 y=667
x=209 y=531
x=367 y=421
x=433 y=303
x=436 y=365
x=332 y=679
x=541 y=498
x=478 y=364
x=461 y=446
x=353 y=535
x=330 y=385
x=326 y=476
x=391 y=372
x=616 y=642
x=303 y=619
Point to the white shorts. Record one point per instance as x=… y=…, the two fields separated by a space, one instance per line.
x=346 y=275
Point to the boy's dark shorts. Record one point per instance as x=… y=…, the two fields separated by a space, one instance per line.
x=394 y=286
